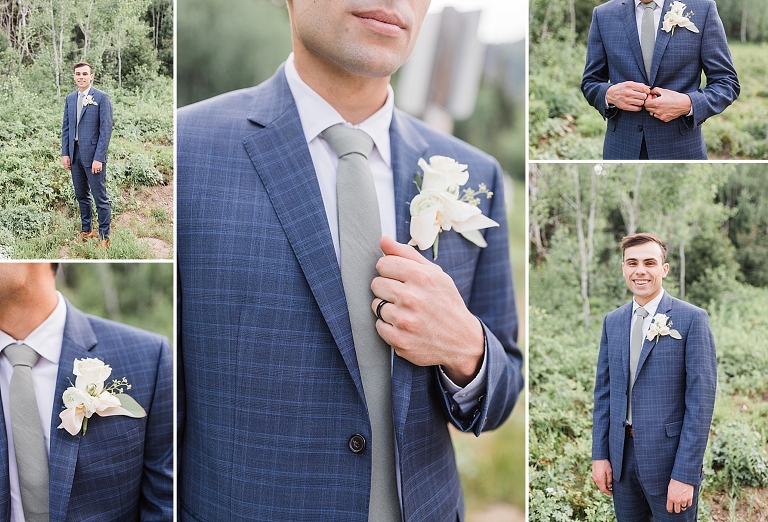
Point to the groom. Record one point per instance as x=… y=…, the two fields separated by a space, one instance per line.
x=293 y=405
x=654 y=394
x=121 y=467
x=643 y=74
x=85 y=134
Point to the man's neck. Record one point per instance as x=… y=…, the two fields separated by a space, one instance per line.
x=355 y=97
x=28 y=311
x=85 y=89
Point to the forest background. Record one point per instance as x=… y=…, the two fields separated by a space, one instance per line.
x=226 y=45
x=129 y=43
x=564 y=126
x=714 y=219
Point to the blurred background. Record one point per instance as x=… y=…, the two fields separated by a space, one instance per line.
x=713 y=218
x=466 y=77
x=564 y=126
x=138 y=294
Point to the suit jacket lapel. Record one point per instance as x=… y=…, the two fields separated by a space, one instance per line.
x=407 y=147
x=662 y=39
x=629 y=22
x=281 y=157
x=5 y=485
x=79 y=338
x=665 y=305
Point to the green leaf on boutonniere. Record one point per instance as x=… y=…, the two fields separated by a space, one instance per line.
x=434 y=247
x=130 y=405
x=417 y=179
x=674 y=334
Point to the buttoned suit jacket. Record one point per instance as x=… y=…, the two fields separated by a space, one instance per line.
x=121 y=469
x=672 y=398
x=95 y=127
x=269 y=381
x=679 y=57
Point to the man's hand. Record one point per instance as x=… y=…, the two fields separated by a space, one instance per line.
x=679 y=496
x=425 y=319
x=667 y=105
x=96 y=167
x=602 y=474
x=66 y=162
x=627 y=96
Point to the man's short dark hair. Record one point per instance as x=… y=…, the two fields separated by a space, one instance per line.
x=55 y=268
x=82 y=64
x=641 y=238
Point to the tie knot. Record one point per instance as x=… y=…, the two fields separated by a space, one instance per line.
x=642 y=312
x=650 y=5
x=21 y=355
x=346 y=140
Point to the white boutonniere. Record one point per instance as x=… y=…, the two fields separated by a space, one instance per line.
x=675 y=18
x=88 y=100
x=439 y=206
x=661 y=325
x=89 y=395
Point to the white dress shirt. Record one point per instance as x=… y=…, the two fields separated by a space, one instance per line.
x=650 y=308
x=316 y=115
x=46 y=340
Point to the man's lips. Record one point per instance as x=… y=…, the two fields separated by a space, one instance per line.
x=381 y=21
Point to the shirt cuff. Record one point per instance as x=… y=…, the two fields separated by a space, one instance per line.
x=466 y=398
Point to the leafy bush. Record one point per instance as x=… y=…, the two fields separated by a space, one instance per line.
x=739 y=457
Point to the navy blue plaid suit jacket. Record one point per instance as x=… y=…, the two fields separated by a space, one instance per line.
x=122 y=468
x=672 y=399
x=95 y=127
x=679 y=57
x=269 y=382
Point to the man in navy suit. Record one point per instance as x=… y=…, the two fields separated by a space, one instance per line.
x=121 y=468
x=274 y=420
x=650 y=425
x=650 y=92
x=84 y=142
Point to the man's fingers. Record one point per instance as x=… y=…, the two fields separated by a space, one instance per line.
x=390 y=247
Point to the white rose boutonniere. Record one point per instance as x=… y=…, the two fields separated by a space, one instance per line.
x=661 y=325
x=88 y=100
x=89 y=395
x=439 y=206
x=675 y=18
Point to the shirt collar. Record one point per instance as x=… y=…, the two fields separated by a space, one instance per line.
x=46 y=339
x=659 y=4
x=316 y=114
x=651 y=306
x=85 y=93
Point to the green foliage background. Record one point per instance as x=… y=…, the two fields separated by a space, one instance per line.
x=138 y=294
x=717 y=213
x=562 y=124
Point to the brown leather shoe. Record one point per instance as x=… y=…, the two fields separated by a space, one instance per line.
x=87 y=235
x=104 y=243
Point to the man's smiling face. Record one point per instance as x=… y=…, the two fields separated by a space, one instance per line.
x=644 y=270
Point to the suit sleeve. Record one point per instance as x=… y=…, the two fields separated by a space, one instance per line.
x=700 y=387
x=105 y=129
x=722 y=83
x=594 y=81
x=493 y=301
x=156 y=502
x=602 y=407
x=65 y=130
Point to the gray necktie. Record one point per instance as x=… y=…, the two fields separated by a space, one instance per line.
x=635 y=347
x=648 y=37
x=28 y=441
x=359 y=234
x=79 y=110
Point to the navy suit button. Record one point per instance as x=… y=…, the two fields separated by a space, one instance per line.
x=640 y=128
x=356 y=443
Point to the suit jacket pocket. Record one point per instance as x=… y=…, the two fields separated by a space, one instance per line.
x=674 y=428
